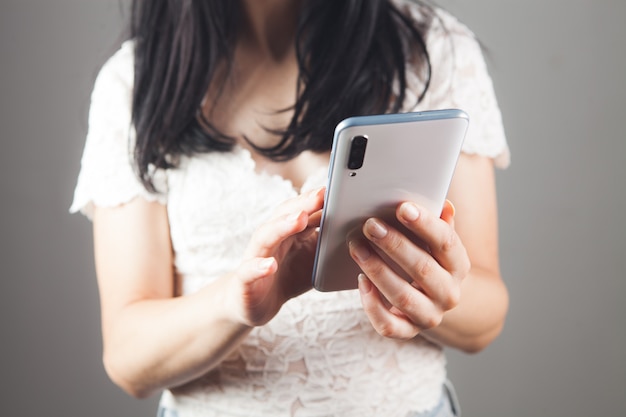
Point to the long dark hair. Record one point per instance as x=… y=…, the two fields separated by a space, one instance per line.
x=352 y=57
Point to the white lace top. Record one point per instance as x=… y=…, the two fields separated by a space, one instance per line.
x=319 y=356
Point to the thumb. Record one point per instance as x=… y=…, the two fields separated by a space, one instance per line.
x=254 y=279
x=447 y=213
x=256 y=269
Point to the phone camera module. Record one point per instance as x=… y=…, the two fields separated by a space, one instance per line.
x=357 y=152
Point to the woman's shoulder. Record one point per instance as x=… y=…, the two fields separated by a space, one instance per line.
x=112 y=91
x=123 y=57
x=440 y=22
x=447 y=38
x=119 y=67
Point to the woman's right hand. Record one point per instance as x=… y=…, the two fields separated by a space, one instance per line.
x=152 y=339
x=278 y=261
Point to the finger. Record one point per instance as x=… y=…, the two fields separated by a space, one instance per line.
x=448 y=212
x=386 y=321
x=309 y=202
x=315 y=219
x=440 y=237
x=414 y=262
x=266 y=239
x=255 y=269
x=410 y=301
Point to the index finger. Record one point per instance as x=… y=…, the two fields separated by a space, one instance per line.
x=438 y=234
x=309 y=202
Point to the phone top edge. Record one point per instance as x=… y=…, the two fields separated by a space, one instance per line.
x=401 y=118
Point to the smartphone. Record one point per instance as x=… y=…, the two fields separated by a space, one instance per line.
x=376 y=163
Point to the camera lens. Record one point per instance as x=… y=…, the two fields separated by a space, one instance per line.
x=357 y=152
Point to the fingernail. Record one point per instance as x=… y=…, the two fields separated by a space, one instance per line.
x=361 y=251
x=315 y=193
x=452 y=207
x=409 y=212
x=365 y=285
x=375 y=228
x=265 y=264
x=292 y=218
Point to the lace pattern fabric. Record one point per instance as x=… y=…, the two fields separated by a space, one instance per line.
x=319 y=356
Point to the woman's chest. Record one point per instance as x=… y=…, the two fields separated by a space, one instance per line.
x=254 y=105
x=217 y=200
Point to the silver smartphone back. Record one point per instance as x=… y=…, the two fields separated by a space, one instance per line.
x=376 y=163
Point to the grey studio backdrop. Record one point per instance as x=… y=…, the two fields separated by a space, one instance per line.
x=558 y=67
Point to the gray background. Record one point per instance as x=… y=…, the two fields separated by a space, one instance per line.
x=558 y=67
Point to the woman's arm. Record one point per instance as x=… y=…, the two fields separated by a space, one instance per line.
x=153 y=340
x=457 y=296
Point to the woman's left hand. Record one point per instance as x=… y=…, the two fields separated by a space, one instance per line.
x=404 y=299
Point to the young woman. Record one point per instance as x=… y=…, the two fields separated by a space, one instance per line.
x=203 y=172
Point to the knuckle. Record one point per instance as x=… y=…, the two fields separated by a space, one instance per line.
x=431 y=321
x=424 y=267
x=374 y=268
x=450 y=242
x=464 y=267
x=393 y=243
x=386 y=329
x=405 y=301
x=452 y=299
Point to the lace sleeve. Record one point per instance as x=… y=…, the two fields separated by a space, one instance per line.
x=107 y=176
x=461 y=80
